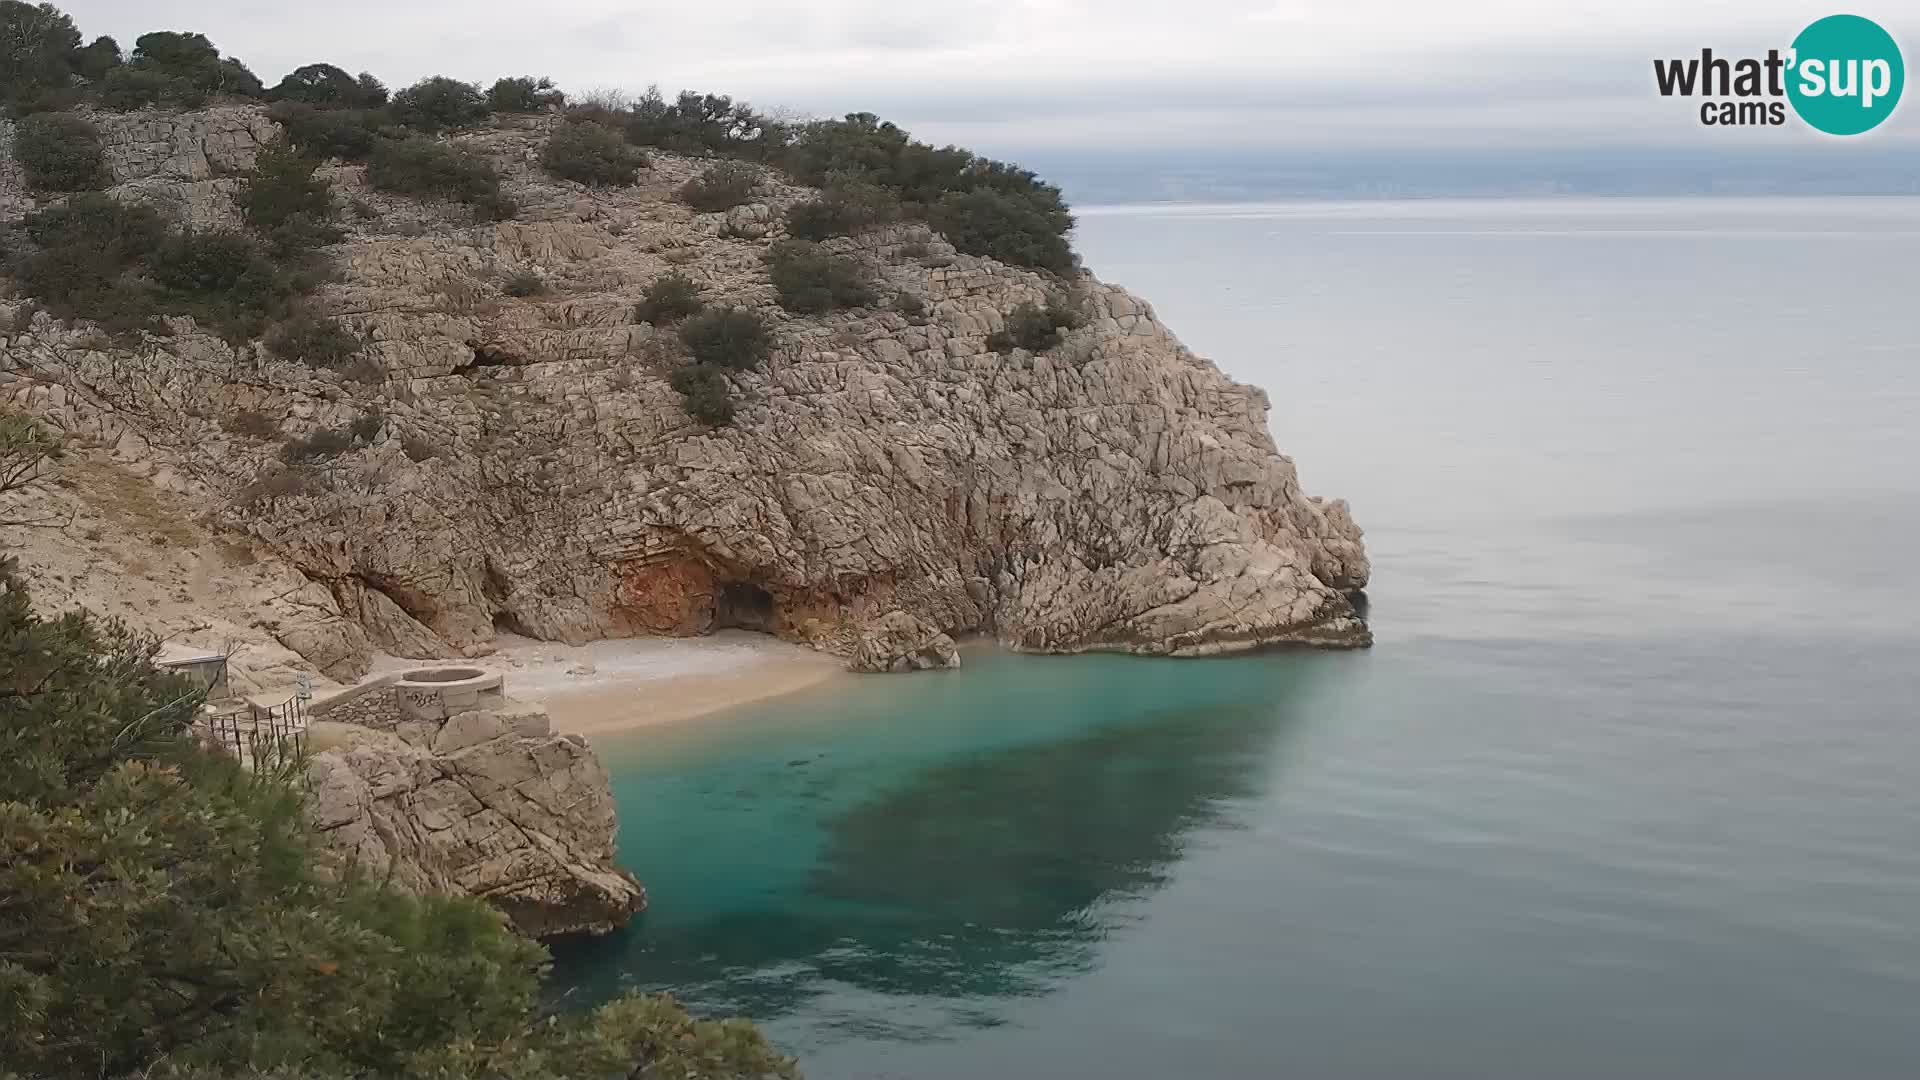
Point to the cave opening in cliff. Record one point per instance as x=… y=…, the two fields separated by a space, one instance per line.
x=743 y=605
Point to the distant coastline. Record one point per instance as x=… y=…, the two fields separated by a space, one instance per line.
x=1101 y=178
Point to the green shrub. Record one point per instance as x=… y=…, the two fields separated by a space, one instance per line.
x=317 y=342
x=284 y=202
x=1005 y=227
x=177 y=69
x=97 y=59
x=366 y=427
x=222 y=279
x=120 y=234
x=811 y=281
x=670 y=296
x=524 y=94
x=60 y=152
x=422 y=166
x=347 y=134
x=439 y=104
x=592 y=154
x=708 y=397
x=986 y=207
x=1035 y=328
x=128 y=88
x=909 y=305
x=727 y=337
x=36 y=46
x=318 y=446
x=329 y=87
x=81 y=258
x=524 y=283
x=721 y=187
x=844 y=208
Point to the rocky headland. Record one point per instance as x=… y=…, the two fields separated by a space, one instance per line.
x=521 y=463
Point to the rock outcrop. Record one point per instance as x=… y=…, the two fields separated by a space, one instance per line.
x=487 y=803
x=900 y=641
x=531 y=469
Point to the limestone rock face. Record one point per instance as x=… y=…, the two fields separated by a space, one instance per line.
x=534 y=471
x=488 y=803
x=900 y=641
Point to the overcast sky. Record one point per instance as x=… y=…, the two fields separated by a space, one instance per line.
x=1003 y=75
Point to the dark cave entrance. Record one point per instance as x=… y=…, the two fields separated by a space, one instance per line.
x=743 y=606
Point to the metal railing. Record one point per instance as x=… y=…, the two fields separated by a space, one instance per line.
x=262 y=735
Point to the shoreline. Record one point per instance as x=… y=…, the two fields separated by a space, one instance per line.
x=619 y=685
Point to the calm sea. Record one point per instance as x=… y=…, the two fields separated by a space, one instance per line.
x=1630 y=786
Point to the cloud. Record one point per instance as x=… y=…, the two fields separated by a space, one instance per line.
x=1092 y=73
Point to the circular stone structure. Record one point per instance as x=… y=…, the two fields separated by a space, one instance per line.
x=437 y=693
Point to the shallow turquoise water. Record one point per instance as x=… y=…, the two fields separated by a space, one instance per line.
x=1627 y=788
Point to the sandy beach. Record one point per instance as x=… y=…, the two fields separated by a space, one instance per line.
x=607 y=686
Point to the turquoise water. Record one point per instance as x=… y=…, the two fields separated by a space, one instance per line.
x=1628 y=786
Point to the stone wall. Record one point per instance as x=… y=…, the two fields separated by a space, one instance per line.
x=373 y=704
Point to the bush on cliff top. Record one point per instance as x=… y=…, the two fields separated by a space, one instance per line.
x=326 y=86
x=525 y=94
x=439 y=104
x=167 y=916
x=591 y=154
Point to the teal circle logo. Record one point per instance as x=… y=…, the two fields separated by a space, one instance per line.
x=1846 y=75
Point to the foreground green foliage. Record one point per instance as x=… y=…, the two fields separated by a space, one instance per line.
x=166 y=918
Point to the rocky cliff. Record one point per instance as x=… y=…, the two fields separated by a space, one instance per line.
x=888 y=479
x=486 y=802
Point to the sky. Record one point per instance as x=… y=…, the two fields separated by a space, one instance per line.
x=1014 y=77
